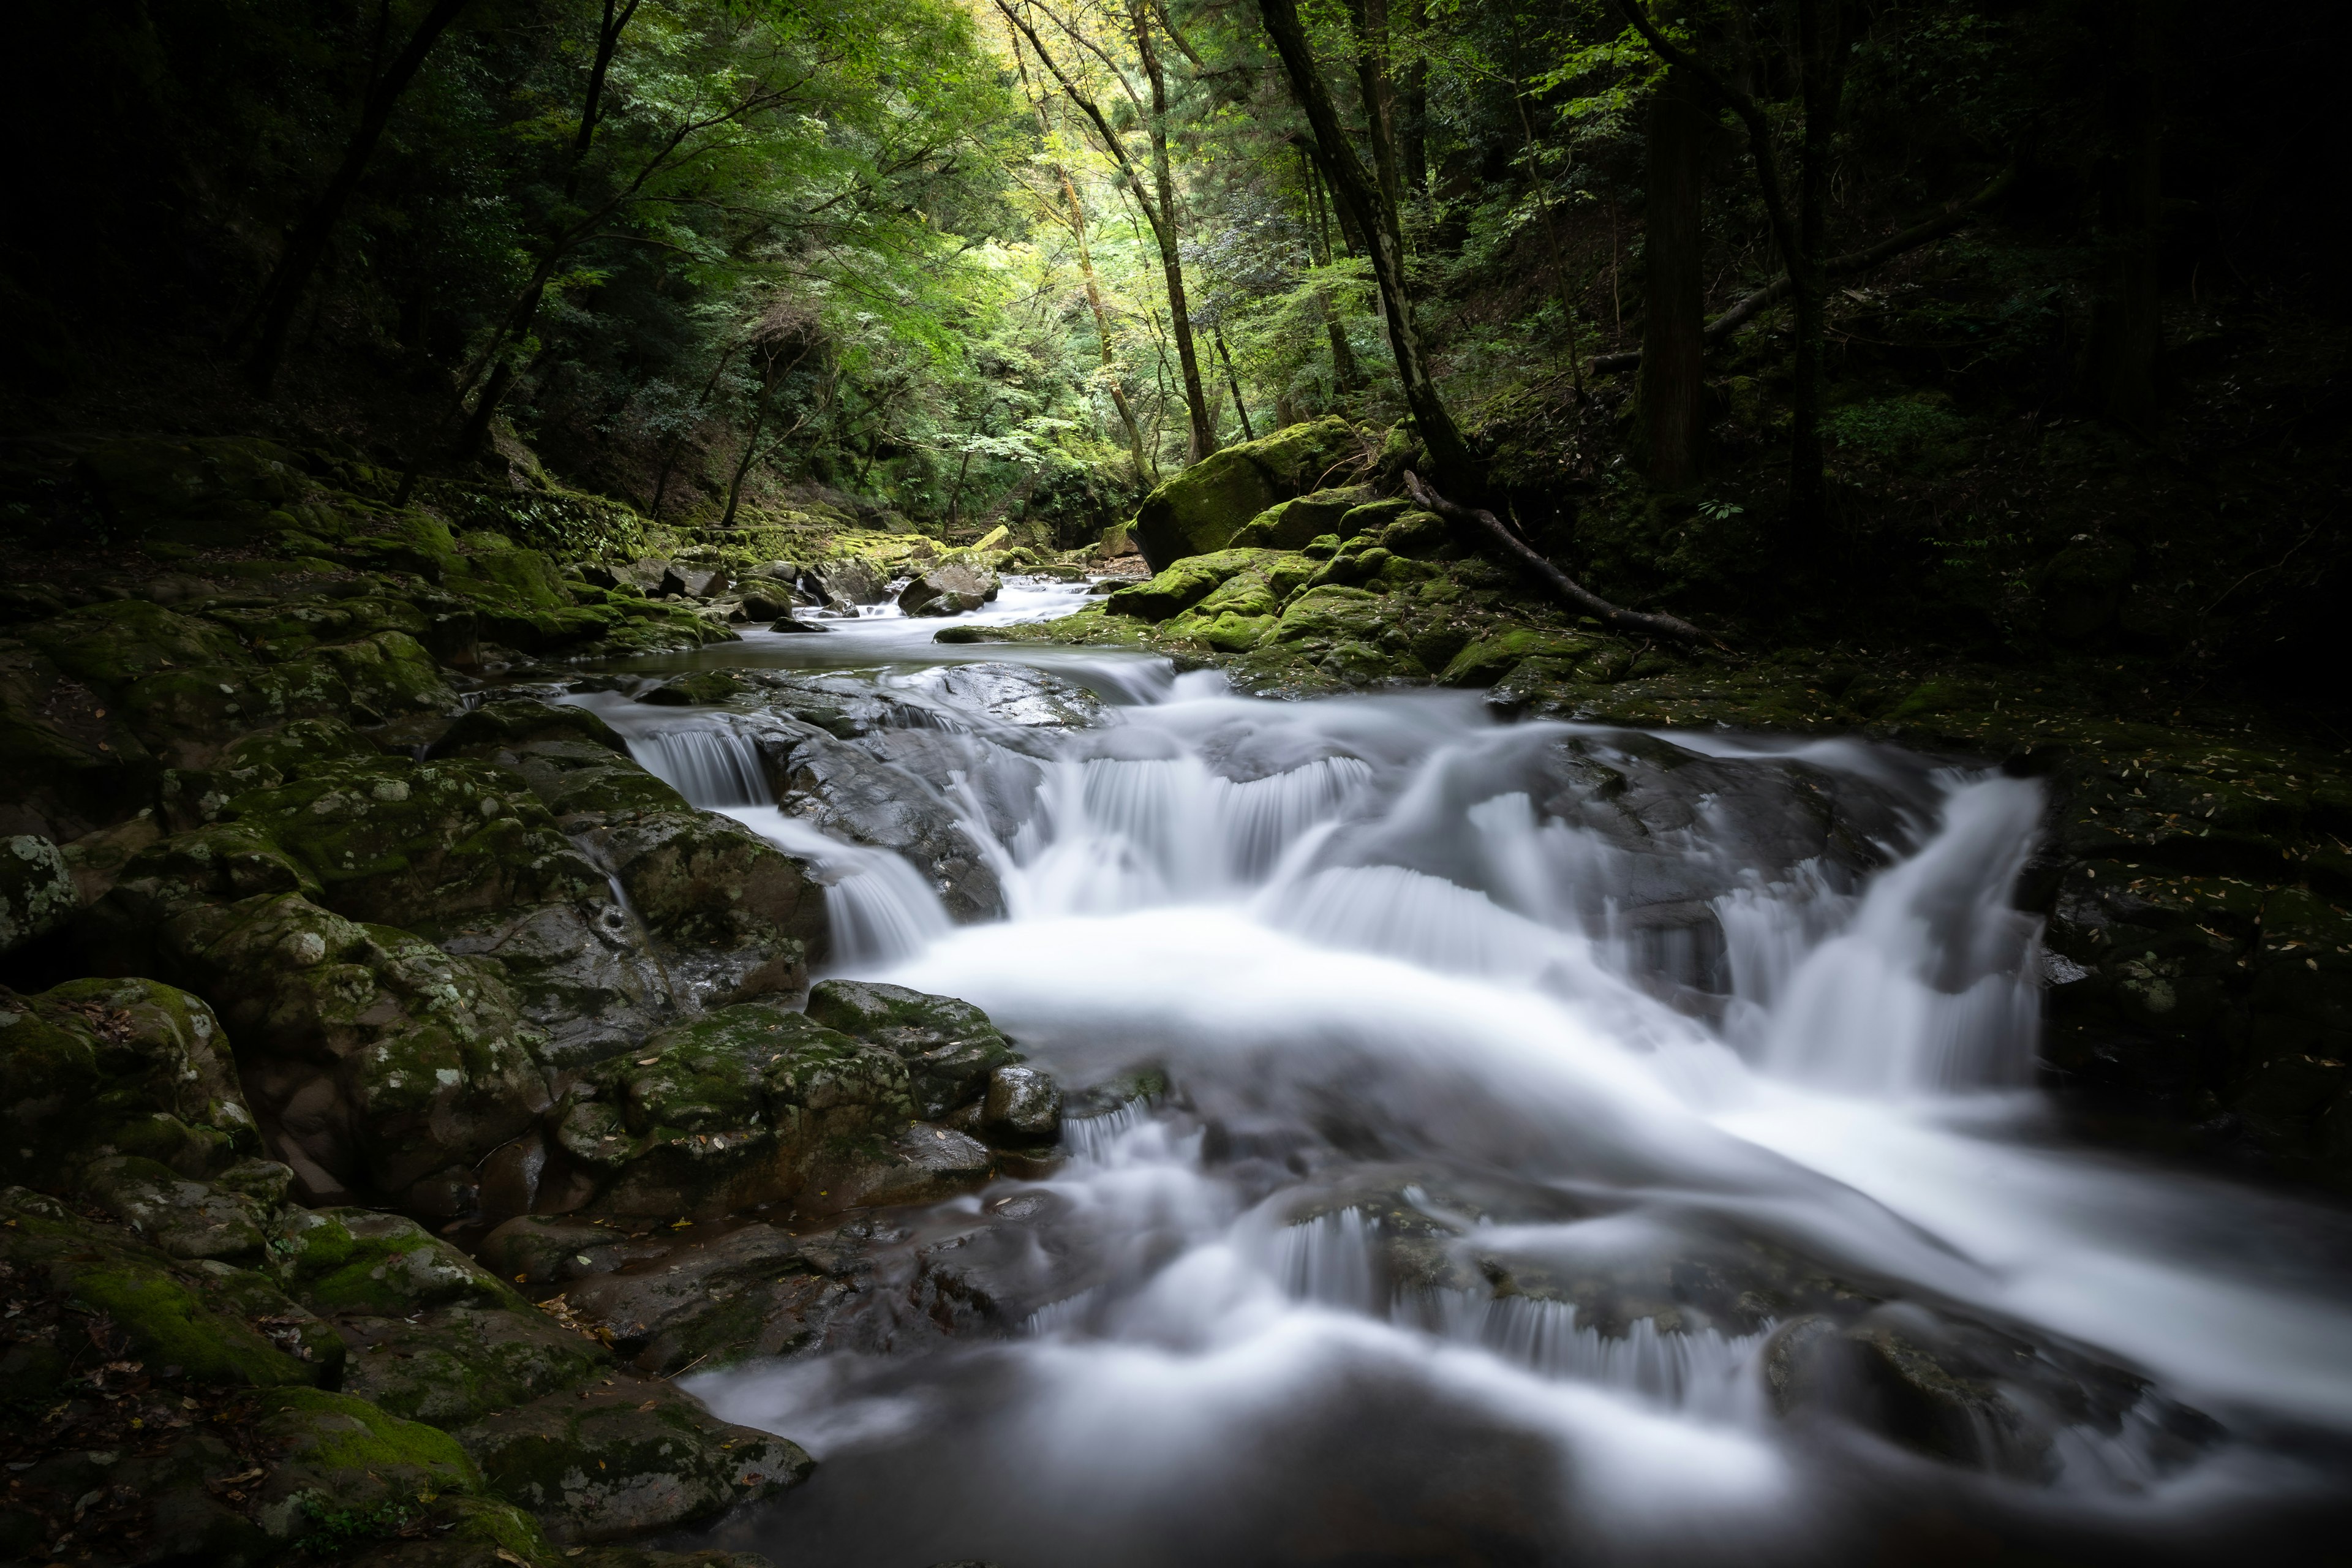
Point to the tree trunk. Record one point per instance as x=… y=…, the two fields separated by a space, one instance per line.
x=2127 y=327
x=1372 y=20
x=1413 y=118
x=1239 y=406
x=1179 y=316
x=306 y=246
x=1671 y=390
x=1357 y=188
x=1346 y=376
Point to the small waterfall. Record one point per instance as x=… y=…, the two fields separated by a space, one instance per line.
x=1090 y=1138
x=1329 y=1259
x=1680 y=1368
x=713 y=766
x=881 y=909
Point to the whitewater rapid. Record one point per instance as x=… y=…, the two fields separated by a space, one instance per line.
x=1425 y=1068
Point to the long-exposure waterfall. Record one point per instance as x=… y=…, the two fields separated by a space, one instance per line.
x=1508 y=1142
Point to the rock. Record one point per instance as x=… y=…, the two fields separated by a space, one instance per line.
x=1022 y=1103
x=787 y=624
x=378 y=1061
x=196 y=1317
x=38 y=892
x=949 y=1046
x=1289 y=525
x=188 y=1219
x=2081 y=586
x=69 y=762
x=1186 y=583
x=845 y=791
x=101 y=1068
x=949 y=590
x=210 y=491
x=750 y=1292
x=695 y=582
x=507 y=723
x=551 y=1249
x=97 y=859
x=736 y=1109
x=351 y=1260
x=704 y=689
x=921 y=1165
x=1485 y=662
x=845 y=584
x=334 y=1454
x=626 y=1457
x=1201 y=509
x=451 y=1365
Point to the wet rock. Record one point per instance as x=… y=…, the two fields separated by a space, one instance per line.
x=102 y=1067
x=1184 y=584
x=37 y=891
x=544 y=1249
x=846 y=584
x=1200 y=509
x=788 y=623
x=1022 y=1103
x=704 y=688
x=69 y=762
x=921 y=1164
x=336 y=1454
x=1484 y=662
x=351 y=1260
x=378 y=1061
x=949 y=590
x=754 y=1291
x=949 y=1047
x=731 y=1110
x=626 y=1457
x=845 y=791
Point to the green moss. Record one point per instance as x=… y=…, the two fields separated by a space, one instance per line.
x=359 y=1260
x=1183 y=584
x=1201 y=509
x=1484 y=662
x=116 y=643
x=170 y=1326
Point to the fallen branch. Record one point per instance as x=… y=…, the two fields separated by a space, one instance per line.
x=1748 y=306
x=1568 y=587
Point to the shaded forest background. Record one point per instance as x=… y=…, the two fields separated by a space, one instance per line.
x=955 y=266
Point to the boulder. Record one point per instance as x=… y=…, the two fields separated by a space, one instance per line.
x=949 y=1046
x=69 y=762
x=694 y=581
x=1203 y=508
x=843 y=789
x=737 y=1108
x=353 y=1260
x=1187 y=582
x=100 y=1068
x=456 y=1364
x=37 y=891
x=215 y=490
x=376 y=1061
x=1288 y=525
x=187 y=1218
x=748 y=1292
x=1024 y=1104
x=626 y=1457
x=846 y=584
x=949 y=590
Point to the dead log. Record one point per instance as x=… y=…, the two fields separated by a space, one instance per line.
x=1568 y=587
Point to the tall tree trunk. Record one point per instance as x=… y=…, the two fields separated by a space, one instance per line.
x=1180 y=315
x=1372 y=20
x=1357 y=188
x=306 y=246
x=2127 y=325
x=1346 y=374
x=1412 y=116
x=1671 y=388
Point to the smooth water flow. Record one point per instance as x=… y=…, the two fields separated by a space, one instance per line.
x=1517 y=1144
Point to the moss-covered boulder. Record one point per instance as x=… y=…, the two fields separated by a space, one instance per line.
x=37 y=891
x=750 y=1292
x=112 y=644
x=69 y=762
x=949 y=590
x=731 y=1110
x=1179 y=587
x=450 y=1365
x=354 y=1260
x=1203 y=508
x=1288 y=525
x=187 y=1218
x=1484 y=662
x=336 y=1456
x=633 y=1456
x=95 y=1067
x=949 y=1046
x=379 y=1062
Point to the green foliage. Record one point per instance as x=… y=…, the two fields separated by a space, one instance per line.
x=337 y=1532
x=1898 y=430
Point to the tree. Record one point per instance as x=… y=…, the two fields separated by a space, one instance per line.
x=306 y=246
x=1673 y=374
x=1449 y=456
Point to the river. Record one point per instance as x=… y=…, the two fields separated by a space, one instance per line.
x=1514 y=1143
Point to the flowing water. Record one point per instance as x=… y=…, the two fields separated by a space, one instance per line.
x=1489 y=1118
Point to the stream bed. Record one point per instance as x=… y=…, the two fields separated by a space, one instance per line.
x=1498 y=1143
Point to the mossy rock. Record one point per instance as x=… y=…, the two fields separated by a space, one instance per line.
x=634 y=1456
x=1288 y=525
x=1183 y=584
x=337 y=1457
x=412 y=541
x=274 y=757
x=162 y=1306
x=528 y=574
x=188 y=1219
x=360 y=1260
x=291 y=627
x=186 y=716
x=729 y=1112
x=69 y=762
x=95 y=1067
x=451 y=1365
x=696 y=879
x=38 y=892
x=113 y=644
x=423 y=845
x=504 y=726
x=948 y=1046
x=1203 y=508
x=416 y=1060
x=702 y=688
x=388 y=674
x=1333 y=610
x=1487 y=661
